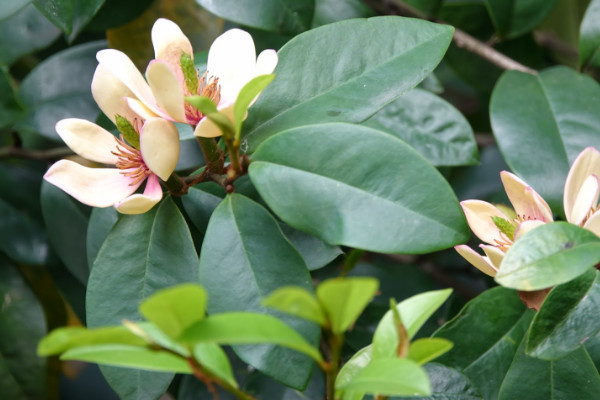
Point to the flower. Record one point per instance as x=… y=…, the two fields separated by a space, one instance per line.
x=498 y=228
x=582 y=189
x=102 y=187
x=171 y=76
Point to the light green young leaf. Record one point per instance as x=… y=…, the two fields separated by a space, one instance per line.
x=155 y=337
x=247 y=95
x=207 y=107
x=296 y=301
x=62 y=339
x=427 y=349
x=212 y=357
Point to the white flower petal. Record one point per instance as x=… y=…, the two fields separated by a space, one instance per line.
x=141 y=203
x=525 y=227
x=169 y=43
x=593 y=223
x=479 y=216
x=585 y=200
x=207 y=128
x=167 y=89
x=159 y=144
x=525 y=200
x=587 y=163
x=494 y=255
x=97 y=187
x=110 y=94
x=266 y=62
x=88 y=140
x=140 y=109
x=481 y=263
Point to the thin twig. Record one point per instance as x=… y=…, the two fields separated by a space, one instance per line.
x=39 y=155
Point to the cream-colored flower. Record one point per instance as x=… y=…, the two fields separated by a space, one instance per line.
x=232 y=63
x=582 y=189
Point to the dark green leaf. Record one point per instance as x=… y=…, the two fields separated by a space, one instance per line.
x=296 y=301
x=115 y=13
x=589 y=36
x=390 y=204
x=432 y=126
x=200 y=203
x=59 y=88
x=563 y=323
x=513 y=18
x=326 y=82
x=315 y=252
x=549 y=255
x=66 y=226
x=284 y=16
x=448 y=384
x=10 y=109
x=556 y=111
x=328 y=11
x=245 y=257
x=10 y=8
x=141 y=254
x=21 y=238
x=70 y=16
x=101 y=222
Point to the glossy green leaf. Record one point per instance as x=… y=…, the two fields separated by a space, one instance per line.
x=10 y=109
x=549 y=255
x=68 y=239
x=62 y=339
x=326 y=82
x=212 y=356
x=156 y=338
x=486 y=335
x=563 y=323
x=59 y=88
x=115 y=13
x=247 y=328
x=23 y=31
x=390 y=377
x=328 y=11
x=200 y=203
x=513 y=18
x=169 y=258
x=21 y=237
x=315 y=252
x=207 y=107
x=283 y=16
x=554 y=111
x=70 y=16
x=448 y=384
x=245 y=257
x=174 y=309
x=22 y=325
x=390 y=204
x=247 y=94
x=431 y=125
x=349 y=370
x=589 y=36
x=13 y=7
x=100 y=223
x=296 y=301
x=344 y=299
x=427 y=349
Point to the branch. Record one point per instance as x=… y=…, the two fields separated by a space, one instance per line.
x=460 y=38
x=39 y=155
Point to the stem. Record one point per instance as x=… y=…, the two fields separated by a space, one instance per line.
x=350 y=262
x=176 y=185
x=212 y=154
x=233 y=156
x=39 y=155
x=208 y=378
x=335 y=349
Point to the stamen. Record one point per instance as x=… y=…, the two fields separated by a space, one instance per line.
x=130 y=161
x=207 y=87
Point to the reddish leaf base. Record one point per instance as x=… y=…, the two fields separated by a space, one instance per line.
x=533 y=299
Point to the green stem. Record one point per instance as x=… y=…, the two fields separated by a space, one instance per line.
x=233 y=156
x=176 y=185
x=335 y=350
x=351 y=260
x=212 y=154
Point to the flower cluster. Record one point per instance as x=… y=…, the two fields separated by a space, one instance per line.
x=499 y=227
x=144 y=111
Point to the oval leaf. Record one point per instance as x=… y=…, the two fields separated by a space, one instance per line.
x=296 y=301
x=391 y=203
x=424 y=350
x=589 y=36
x=513 y=18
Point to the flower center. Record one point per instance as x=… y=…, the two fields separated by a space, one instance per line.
x=506 y=236
x=207 y=87
x=130 y=162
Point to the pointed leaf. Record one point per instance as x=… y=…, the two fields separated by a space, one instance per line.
x=315 y=252
x=62 y=339
x=512 y=18
x=589 y=36
x=71 y=17
x=424 y=350
x=296 y=301
x=212 y=357
x=245 y=98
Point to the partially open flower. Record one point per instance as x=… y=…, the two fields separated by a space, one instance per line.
x=171 y=76
x=582 y=189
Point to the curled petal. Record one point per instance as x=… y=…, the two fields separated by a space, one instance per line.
x=585 y=200
x=140 y=109
x=525 y=227
x=525 y=200
x=167 y=89
x=97 y=187
x=494 y=254
x=141 y=203
x=593 y=223
x=481 y=263
x=587 y=163
x=159 y=144
x=266 y=62
x=169 y=43
x=88 y=140
x=207 y=128
x=110 y=94
x=479 y=216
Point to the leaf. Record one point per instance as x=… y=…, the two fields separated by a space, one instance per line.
x=245 y=257
x=62 y=339
x=66 y=227
x=100 y=223
x=21 y=238
x=207 y=107
x=200 y=203
x=549 y=255
x=344 y=299
x=390 y=377
x=328 y=11
x=70 y=16
x=296 y=301
x=326 y=82
x=22 y=323
x=515 y=17
x=282 y=16
x=554 y=110
x=10 y=109
x=426 y=349
x=414 y=312
x=431 y=125
x=58 y=88
x=247 y=95
x=390 y=204
x=212 y=357
x=315 y=252
x=563 y=323
x=589 y=36
x=350 y=369
x=141 y=254
x=247 y=328
x=24 y=31
x=448 y=384
x=176 y=308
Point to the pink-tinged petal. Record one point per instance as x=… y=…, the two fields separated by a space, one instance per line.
x=266 y=62
x=141 y=203
x=167 y=89
x=110 y=94
x=142 y=111
x=232 y=59
x=88 y=140
x=593 y=223
x=97 y=187
x=207 y=128
x=159 y=144
x=587 y=163
x=494 y=254
x=585 y=200
x=481 y=263
x=479 y=216
x=525 y=227
x=525 y=200
x=169 y=43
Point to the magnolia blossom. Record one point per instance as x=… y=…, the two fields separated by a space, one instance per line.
x=232 y=63
x=582 y=189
